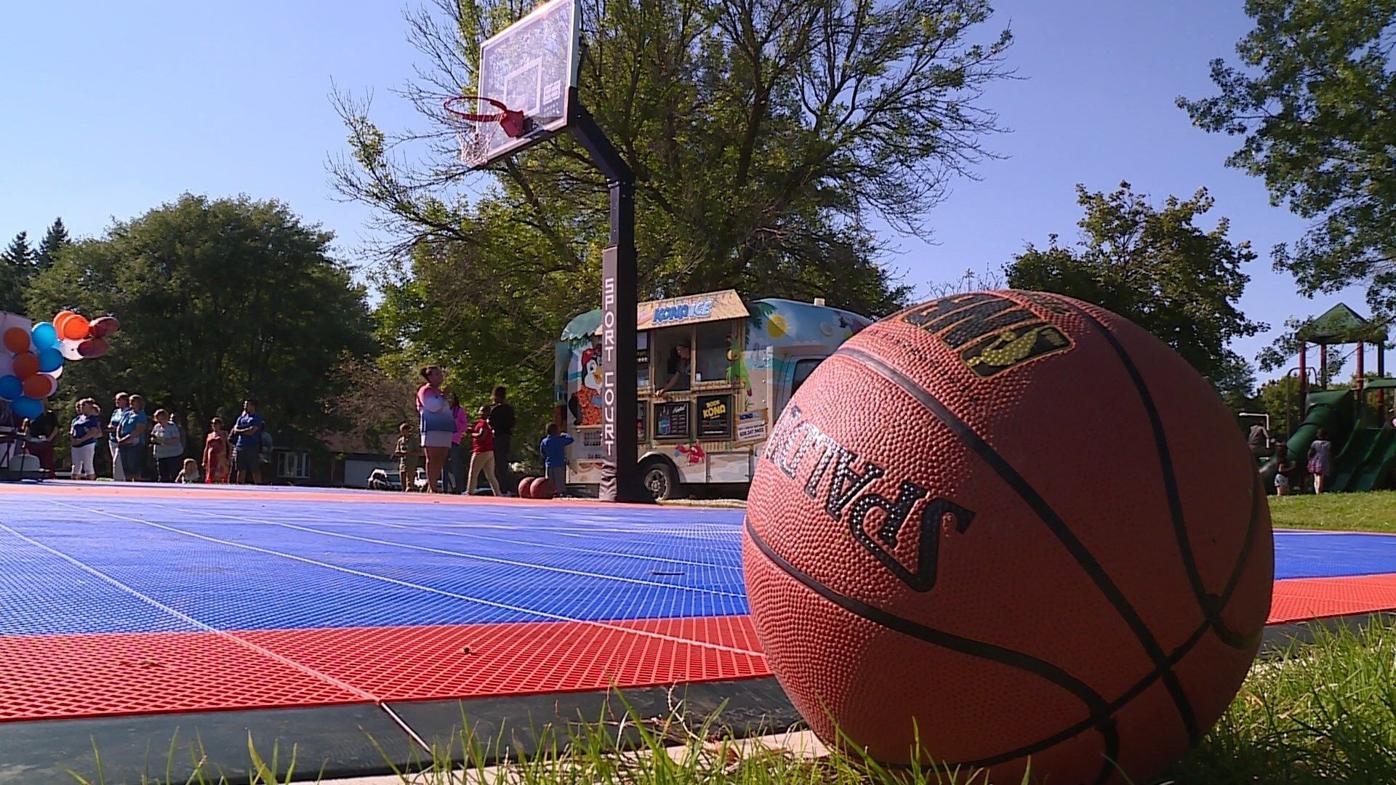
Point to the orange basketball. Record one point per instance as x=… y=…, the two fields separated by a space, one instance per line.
x=526 y=488
x=1016 y=527
x=542 y=488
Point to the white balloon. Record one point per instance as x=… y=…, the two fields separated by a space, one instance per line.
x=54 y=373
x=69 y=349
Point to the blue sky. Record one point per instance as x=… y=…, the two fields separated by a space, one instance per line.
x=111 y=109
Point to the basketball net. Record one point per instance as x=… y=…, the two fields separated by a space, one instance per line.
x=474 y=140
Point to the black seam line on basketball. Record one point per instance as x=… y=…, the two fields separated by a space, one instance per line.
x=1138 y=687
x=1098 y=712
x=1049 y=517
x=1170 y=485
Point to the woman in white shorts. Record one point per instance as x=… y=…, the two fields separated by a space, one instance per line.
x=86 y=431
x=438 y=425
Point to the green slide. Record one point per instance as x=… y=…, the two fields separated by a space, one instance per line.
x=1377 y=462
x=1351 y=460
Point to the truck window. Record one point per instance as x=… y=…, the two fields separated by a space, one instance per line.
x=715 y=340
x=803 y=368
x=664 y=360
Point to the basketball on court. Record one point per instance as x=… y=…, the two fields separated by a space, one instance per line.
x=541 y=488
x=526 y=487
x=1014 y=529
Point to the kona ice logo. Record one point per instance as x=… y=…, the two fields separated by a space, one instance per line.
x=683 y=311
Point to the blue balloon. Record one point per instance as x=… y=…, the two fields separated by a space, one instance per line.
x=11 y=387
x=44 y=335
x=27 y=407
x=50 y=360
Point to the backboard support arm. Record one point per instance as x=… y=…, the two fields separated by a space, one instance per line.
x=620 y=472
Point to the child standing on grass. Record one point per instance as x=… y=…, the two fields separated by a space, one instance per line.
x=190 y=472
x=1283 y=466
x=554 y=449
x=406 y=454
x=1321 y=460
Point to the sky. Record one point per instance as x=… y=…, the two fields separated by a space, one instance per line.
x=113 y=109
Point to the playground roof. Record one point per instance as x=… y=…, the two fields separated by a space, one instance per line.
x=1341 y=324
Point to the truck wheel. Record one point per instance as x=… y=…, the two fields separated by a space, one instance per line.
x=660 y=479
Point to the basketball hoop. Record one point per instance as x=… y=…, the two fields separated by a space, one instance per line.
x=473 y=130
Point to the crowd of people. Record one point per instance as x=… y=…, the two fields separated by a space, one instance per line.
x=146 y=447
x=457 y=452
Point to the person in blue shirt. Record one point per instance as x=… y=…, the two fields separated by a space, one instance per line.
x=121 y=405
x=86 y=431
x=554 y=449
x=130 y=439
x=247 y=444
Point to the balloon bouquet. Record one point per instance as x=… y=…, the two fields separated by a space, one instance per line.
x=34 y=354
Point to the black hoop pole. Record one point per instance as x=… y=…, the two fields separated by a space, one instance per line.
x=620 y=472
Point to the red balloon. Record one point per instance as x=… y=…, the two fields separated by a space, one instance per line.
x=103 y=326
x=92 y=347
x=17 y=339
x=62 y=319
x=40 y=386
x=26 y=365
x=75 y=328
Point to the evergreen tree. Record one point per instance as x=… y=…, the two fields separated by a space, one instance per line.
x=16 y=265
x=54 y=241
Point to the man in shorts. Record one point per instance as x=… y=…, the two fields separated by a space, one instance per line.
x=247 y=444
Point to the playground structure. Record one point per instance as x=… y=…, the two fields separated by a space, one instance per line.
x=1357 y=418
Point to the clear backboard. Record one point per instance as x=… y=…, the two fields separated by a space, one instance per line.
x=528 y=67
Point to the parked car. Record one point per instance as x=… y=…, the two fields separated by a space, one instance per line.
x=419 y=482
x=384 y=480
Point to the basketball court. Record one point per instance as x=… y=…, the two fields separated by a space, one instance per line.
x=364 y=625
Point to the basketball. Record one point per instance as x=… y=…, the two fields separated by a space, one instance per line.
x=542 y=488
x=1009 y=529
x=526 y=488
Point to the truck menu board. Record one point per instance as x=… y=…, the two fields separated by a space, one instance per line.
x=671 y=420
x=714 y=417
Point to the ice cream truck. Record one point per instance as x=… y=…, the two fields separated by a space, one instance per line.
x=714 y=372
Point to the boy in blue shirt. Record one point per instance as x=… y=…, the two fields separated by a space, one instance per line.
x=554 y=449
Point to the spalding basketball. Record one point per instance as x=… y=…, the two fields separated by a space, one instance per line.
x=542 y=488
x=1005 y=529
x=526 y=487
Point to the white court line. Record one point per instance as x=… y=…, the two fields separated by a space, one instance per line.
x=420 y=587
x=463 y=554
x=190 y=620
x=715 y=532
x=432 y=529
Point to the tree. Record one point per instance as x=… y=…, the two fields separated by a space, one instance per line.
x=761 y=134
x=218 y=299
x=1158 y=269
x=1313 y=97
x=55 y=240
x=16 y=265
x=1280 y=399
x=763 y=137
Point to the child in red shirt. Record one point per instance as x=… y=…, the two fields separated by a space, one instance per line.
x=482 y=453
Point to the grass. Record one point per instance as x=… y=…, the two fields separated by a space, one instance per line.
x=1374 y=511
x=1324 y=712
